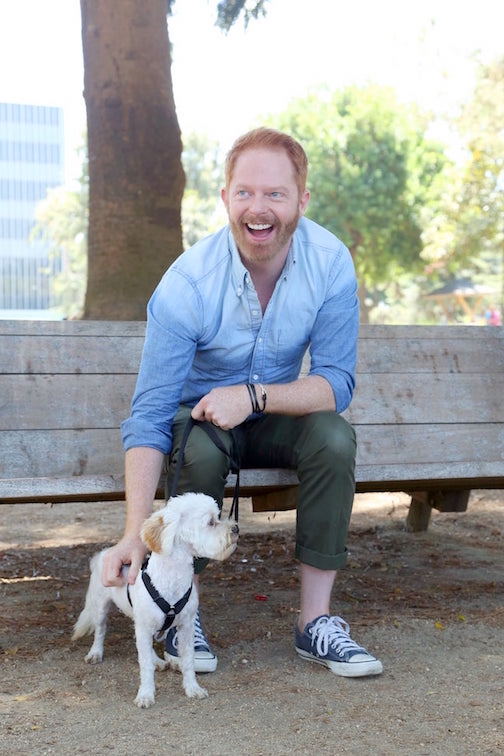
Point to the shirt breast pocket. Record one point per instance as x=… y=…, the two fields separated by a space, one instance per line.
x=290 y=351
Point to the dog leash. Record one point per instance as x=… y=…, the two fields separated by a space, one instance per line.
x=234 y=460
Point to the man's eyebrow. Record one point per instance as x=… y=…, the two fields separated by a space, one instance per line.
x=267 y=189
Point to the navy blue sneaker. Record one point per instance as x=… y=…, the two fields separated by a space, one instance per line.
x=326 y=641
x=204 y=658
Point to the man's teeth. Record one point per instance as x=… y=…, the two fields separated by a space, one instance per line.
x=259 y=226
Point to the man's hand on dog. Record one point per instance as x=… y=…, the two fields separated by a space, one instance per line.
x=128 y=552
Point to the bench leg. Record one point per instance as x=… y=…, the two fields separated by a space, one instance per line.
x=422 y=503
x=419 y=513
x=279 y=501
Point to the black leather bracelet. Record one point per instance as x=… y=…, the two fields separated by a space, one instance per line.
x=253 y=398
x=255 y=403
x=249 y=389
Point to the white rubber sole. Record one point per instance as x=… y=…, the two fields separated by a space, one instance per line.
x=346 y=669
x=202 y=664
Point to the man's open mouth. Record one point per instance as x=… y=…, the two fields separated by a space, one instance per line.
x=259 y=230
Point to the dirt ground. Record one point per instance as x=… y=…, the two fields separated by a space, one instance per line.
x=430 y=605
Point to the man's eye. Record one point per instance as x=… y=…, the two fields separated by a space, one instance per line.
x=241 y=193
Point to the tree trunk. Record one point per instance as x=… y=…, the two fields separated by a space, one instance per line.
x=136 y=180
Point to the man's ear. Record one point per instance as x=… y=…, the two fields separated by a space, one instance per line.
x=303 y=203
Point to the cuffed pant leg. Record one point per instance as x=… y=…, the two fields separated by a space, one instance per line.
x=326 y=467
x=205 y=467
x=321 y=446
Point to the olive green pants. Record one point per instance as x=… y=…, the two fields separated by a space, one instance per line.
x=320 y=446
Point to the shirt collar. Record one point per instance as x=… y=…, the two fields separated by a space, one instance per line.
x=239 y=272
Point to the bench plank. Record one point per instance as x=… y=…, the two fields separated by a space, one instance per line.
x=52 y=402
x=66 y=401
x=406 y=349
x=409 y=398
x=115 y=347
x=407 y=447
x=381 y=465
x=63 y=355
x=71 y=329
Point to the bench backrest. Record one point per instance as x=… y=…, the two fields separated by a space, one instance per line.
x=428 y=407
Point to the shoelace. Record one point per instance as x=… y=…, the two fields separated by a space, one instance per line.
x=332 y=632
x=199 y=635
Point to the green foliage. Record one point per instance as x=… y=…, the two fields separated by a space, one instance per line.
x=200 y=206
x=202 y=165
x=467 y=237
x=200 y=217
x=480 y=206
x=62 y=222
x=228 y=12
x=372 y=175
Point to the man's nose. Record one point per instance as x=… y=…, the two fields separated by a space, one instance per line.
x=258 y=203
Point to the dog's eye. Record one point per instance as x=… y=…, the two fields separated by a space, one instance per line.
x=212 y=522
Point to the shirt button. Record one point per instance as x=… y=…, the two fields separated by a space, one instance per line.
x=255 y=377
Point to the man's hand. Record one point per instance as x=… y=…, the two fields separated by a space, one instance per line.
x=227 y=406
x=129 y=551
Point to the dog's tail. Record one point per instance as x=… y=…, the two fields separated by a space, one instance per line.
x=83 y=626
x=86 y=624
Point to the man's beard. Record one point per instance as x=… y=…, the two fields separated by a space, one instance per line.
x=257 y=251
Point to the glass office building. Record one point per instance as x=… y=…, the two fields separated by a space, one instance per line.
x=31 y=162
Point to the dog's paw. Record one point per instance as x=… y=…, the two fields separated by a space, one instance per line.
x=160 y=663
x=144 y=700
x=195 y=691
x=173 y=663
x=94 y=657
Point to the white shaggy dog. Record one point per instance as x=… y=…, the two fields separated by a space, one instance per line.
x=163 y=593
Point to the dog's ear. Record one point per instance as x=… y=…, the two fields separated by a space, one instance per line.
x=169 y=531
x=159 y=530
x=152 y=532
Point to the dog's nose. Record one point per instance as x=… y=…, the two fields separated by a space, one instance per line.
x=235 y=529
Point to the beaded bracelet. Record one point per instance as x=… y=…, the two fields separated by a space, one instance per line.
x=263 y=396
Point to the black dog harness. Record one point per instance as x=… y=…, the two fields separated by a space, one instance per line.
x=169 y=610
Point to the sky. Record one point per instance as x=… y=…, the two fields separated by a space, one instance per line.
x=223 y=84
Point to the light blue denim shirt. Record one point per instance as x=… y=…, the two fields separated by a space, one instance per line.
x=205 y=328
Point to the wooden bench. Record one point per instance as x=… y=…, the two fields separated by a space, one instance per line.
x=428 y=411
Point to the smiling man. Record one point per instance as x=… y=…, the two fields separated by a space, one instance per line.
x=227 y=329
